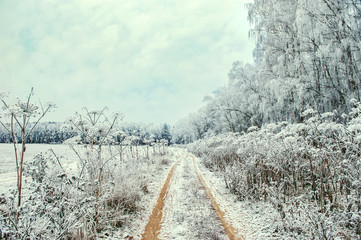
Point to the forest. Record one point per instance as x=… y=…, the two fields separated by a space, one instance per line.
x=307 y=56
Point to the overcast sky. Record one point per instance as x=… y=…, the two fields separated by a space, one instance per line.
x=153 y=60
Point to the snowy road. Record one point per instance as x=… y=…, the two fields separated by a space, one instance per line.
x=186 y=208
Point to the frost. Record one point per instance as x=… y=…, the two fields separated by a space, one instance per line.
x=252 y=129
x=309 y=112
x=251 y=166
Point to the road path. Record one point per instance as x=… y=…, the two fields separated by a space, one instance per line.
x=186 y=208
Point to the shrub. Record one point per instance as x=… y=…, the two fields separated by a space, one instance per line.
x=309 y=171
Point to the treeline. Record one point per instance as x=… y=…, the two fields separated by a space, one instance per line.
x=146 y=132
x=307 y=56
x=58 y=132
x=44 y=132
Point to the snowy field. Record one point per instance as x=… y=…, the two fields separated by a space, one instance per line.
x=138 y=179
x=8 y=167
x=188 y=212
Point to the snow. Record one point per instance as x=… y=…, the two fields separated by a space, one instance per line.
x=133 y=171
x=8 y=166
x=156 y=175
x=188 y=213
x=251 y=219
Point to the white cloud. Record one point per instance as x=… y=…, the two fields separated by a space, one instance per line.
x=152 y=59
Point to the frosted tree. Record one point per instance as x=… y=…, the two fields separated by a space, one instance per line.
x=333 y=32
x=279 y=67
x=182 y=132
x=308 y=55
x=165 y=133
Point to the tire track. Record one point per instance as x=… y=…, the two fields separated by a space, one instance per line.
x=188 y=212
x=154 y=224
x=231 y=232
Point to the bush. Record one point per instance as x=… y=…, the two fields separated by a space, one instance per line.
x=60 y=205
x=309 y=171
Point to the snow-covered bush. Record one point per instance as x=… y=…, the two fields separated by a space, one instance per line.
x=308 y=171
x=59 y=204
x=93 y=201
x=51 y=209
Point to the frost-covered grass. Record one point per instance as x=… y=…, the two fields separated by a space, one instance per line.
x=308 y=172
x=251 y=219
x=59 y=199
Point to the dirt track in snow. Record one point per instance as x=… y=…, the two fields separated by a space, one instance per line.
x=154 y=224
x=186 y=208
x=231 y=232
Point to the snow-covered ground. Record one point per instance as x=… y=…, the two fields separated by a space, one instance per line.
x=154 y=171
x=8 y=166
x=188 y=212
x=156 y=174
x=252 y=220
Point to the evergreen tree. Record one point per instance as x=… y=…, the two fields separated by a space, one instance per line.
x=165 y=134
